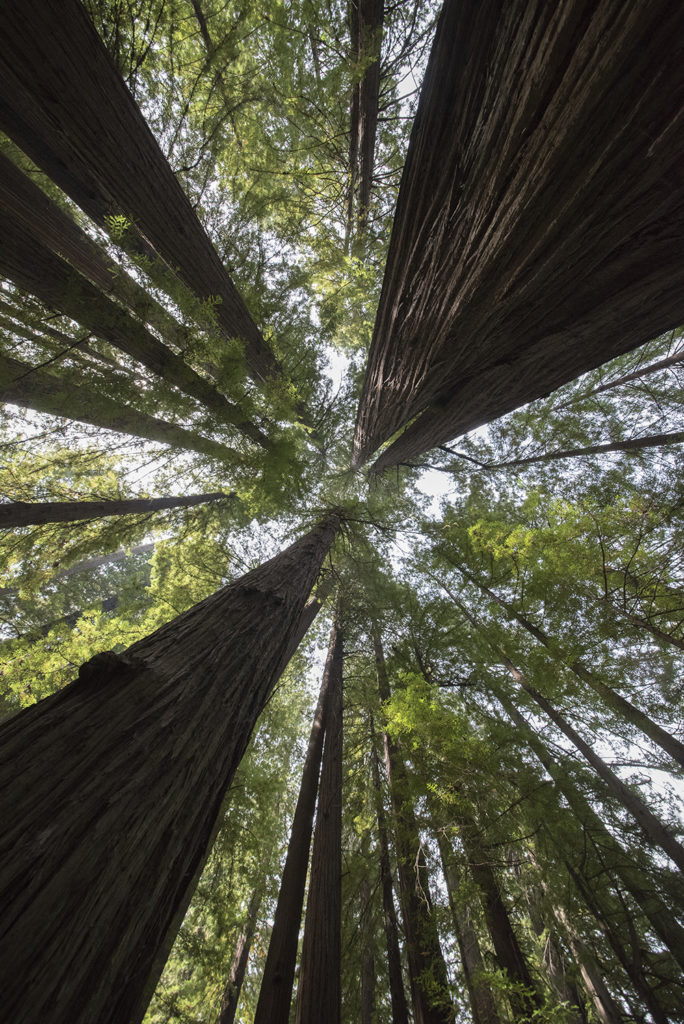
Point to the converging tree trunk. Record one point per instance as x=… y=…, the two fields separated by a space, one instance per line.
x=633 y=444
x=66 y=105
x=628 y=378
x=112 y=790
x=231 y=993
x=366 y=19
x=533 y=238
x=319 y=990
x=32 y=513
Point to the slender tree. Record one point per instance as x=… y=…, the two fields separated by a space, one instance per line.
x=231 y=993
x=32 y=513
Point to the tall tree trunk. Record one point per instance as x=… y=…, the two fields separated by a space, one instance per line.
x=636 y=881
x=396 y=982
x=66 y=105
x=32 y=267
x=231 y=993
x=627 y=378
x=88 y=565
x=367 y=958
x=612 y=698
x=275 y=994
x=33 y=513
x=605 y=1007
x=482 y=1003
x=30 y=387
x=631 y=445
x=113 y=789
x=533 y=239
x=427 y=969
x=366 y=20
x=319 y=992
x=553 y=959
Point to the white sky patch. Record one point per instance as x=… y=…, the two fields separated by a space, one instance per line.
x=436 y=486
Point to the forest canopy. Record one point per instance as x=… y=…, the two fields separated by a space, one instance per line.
x=342 y=589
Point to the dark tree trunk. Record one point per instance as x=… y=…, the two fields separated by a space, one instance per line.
x=33 y=388
x=231 y=993
x=636 y=881
x=113 y=789
x=66 y=105
x=33 y=513
x=396 y=981
x=33 y=268
x=367 y=958
x=275 y=994
x=366 y=31
x=482 y=1003
x=427 y=969
x=319 y=990
x=631 y=445
x=605 y=1007
x=535 y=237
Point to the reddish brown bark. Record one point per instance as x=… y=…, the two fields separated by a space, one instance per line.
x=540 y=215
x=33 y=513
x=66 y=105
x=112 y=790
x=319 y=989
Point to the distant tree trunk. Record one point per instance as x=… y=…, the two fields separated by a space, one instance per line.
x=630 y=445
x=231 y=993
x=482 y=1003
x=637 y=882
x=33 y=513
x=319 y=991
x=108 y=604
x=126 y=770
x=627 y=378
x=366 y=19
x=88 y=565
x=66 y=105
x=32 y=388
x=275 y=994
x=396 y=982
x=367 y=958
x=533 y=239
x=612 y=698
x=431 y=1000
x=605 y=1007
x=32 y=267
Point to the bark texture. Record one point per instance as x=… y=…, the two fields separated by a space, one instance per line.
x=275 y=994
x=34 y=513
x=66 y=105
x=112 y=789
x=30 y=387
x=319 y=993
x=540 y=216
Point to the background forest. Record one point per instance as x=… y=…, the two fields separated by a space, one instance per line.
x=511 y=602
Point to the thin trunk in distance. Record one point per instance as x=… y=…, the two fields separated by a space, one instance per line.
x=33 y=513
x=231 y=993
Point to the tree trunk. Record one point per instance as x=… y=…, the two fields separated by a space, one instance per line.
x=612 y=698
x=66 y=105
x=113 y=789
x=553 y=958
x=33 y=268
x=627 y=378
x=396 y=982
x=33 y=513
x=482 y=1003
x=275 y=994
x=427 y=969
x=367 y=958
x=366 y=31
x=533 y=238
x=231 y=993
x=630 y=445
x=319 y=991
x=30 y=387
x=88 y=564
x=605 y=1007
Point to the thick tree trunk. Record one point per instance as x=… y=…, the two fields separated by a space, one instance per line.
x=482 y=1003
x=275 y=994
x=231 y=993
x=319 y=991
x=113 y=789
x=631 y=445
x=636 y=881
x=612 y=698
x=427 y=969
x=534 y=237
x=366 y=30
x=67 y=107
x=33 y=388
x=396 y=981
x=32 y=267
x=33 y=513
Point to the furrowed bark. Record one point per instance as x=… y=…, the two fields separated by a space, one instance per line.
x=113 y=789
x=231 y=994
x=33 y=388
x=319 y=990
x=539 y=218
x=275 y=994
x=633 y=444
x=67 y=107
x=431 y=1002
x=34 y=513
x=33 y=268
